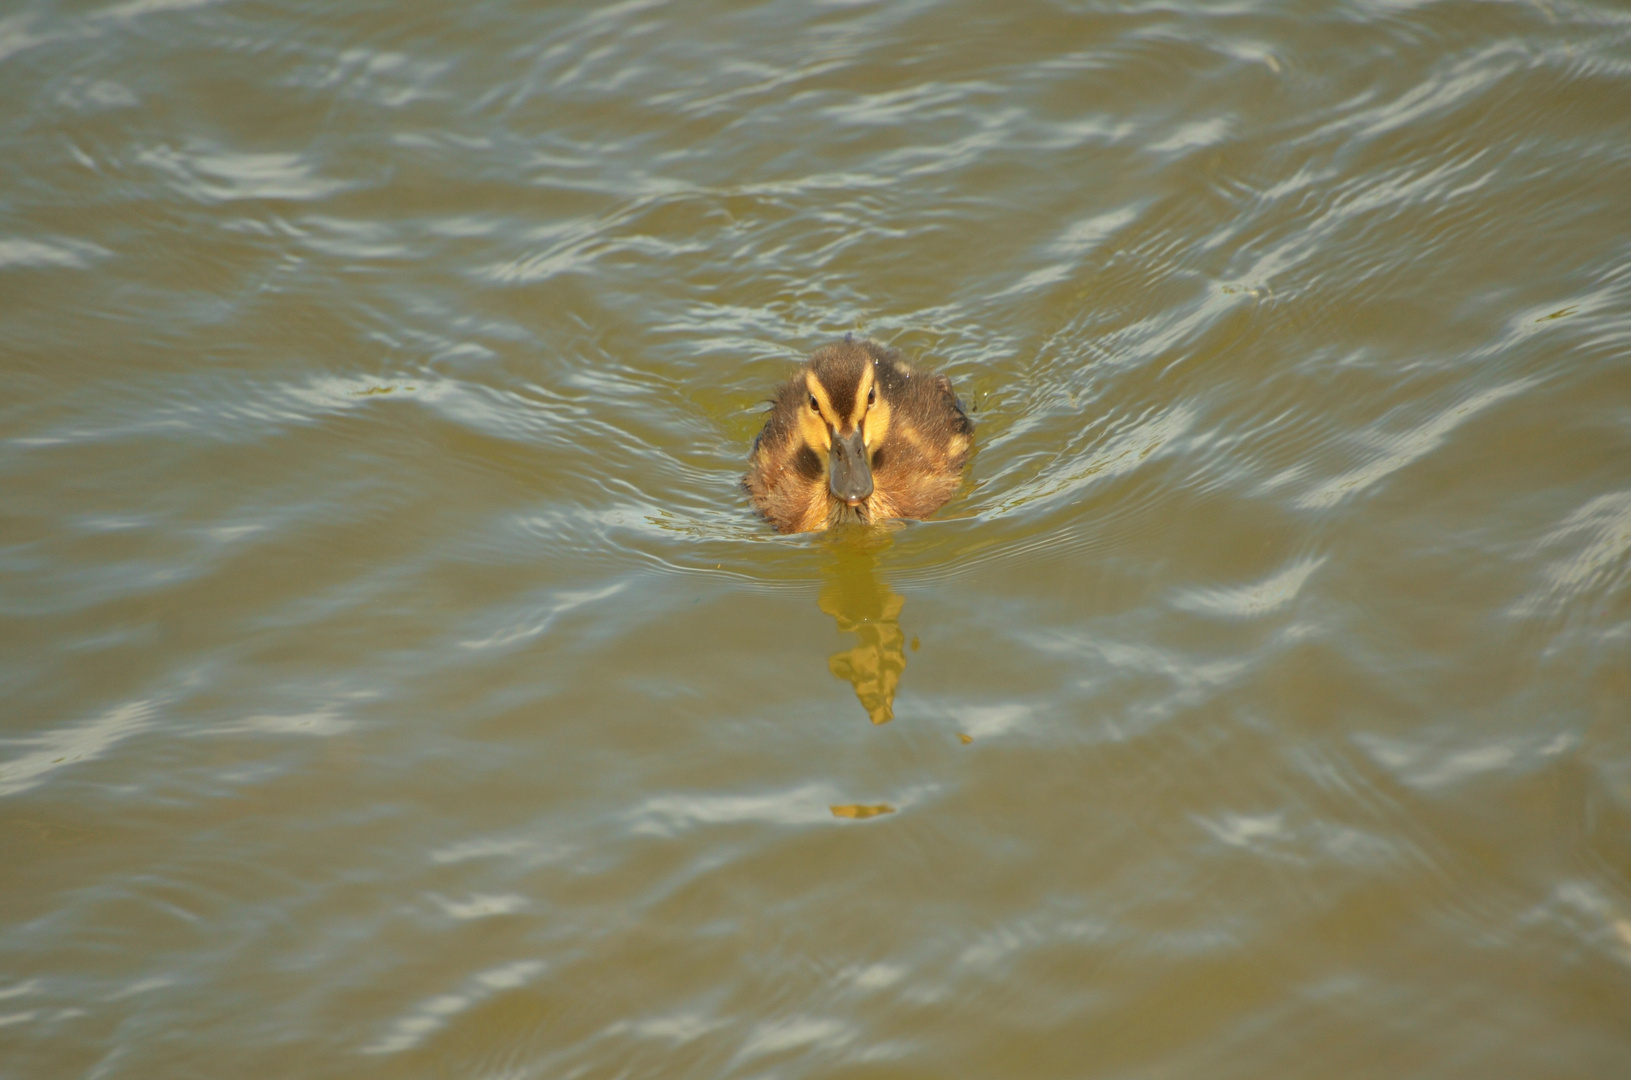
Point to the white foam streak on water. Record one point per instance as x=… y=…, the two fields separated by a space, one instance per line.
x=1400 y=450
x=1600 y=533
x=1260 y=598
x=435 y=1013
x=73 y=744
x=72 y=254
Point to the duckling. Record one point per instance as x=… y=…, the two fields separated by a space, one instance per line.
x=856 y=435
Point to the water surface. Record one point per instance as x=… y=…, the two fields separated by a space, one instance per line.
x=397 y=682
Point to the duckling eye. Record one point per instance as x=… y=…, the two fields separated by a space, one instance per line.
x=872 y=396
x=813 y=406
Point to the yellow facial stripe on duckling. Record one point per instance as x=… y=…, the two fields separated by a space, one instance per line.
x=815 y=423
x=820 y=400
x=875 y=421
x=865 y=396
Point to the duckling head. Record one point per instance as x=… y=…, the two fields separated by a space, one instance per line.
x=844 y=418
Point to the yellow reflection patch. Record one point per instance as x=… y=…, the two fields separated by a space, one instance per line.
x=857 y=810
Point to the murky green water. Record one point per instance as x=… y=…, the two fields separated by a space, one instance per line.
x=396 y=682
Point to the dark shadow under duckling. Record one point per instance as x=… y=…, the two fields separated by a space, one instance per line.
x=857 y=435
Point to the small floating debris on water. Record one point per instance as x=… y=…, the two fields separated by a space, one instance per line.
x=964 y=739
x=379 y=390
x=857 y=810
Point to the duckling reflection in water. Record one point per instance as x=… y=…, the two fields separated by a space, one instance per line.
x=867 y=607
x=857 y=436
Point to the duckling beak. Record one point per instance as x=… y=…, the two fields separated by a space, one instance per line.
x=850 y=475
